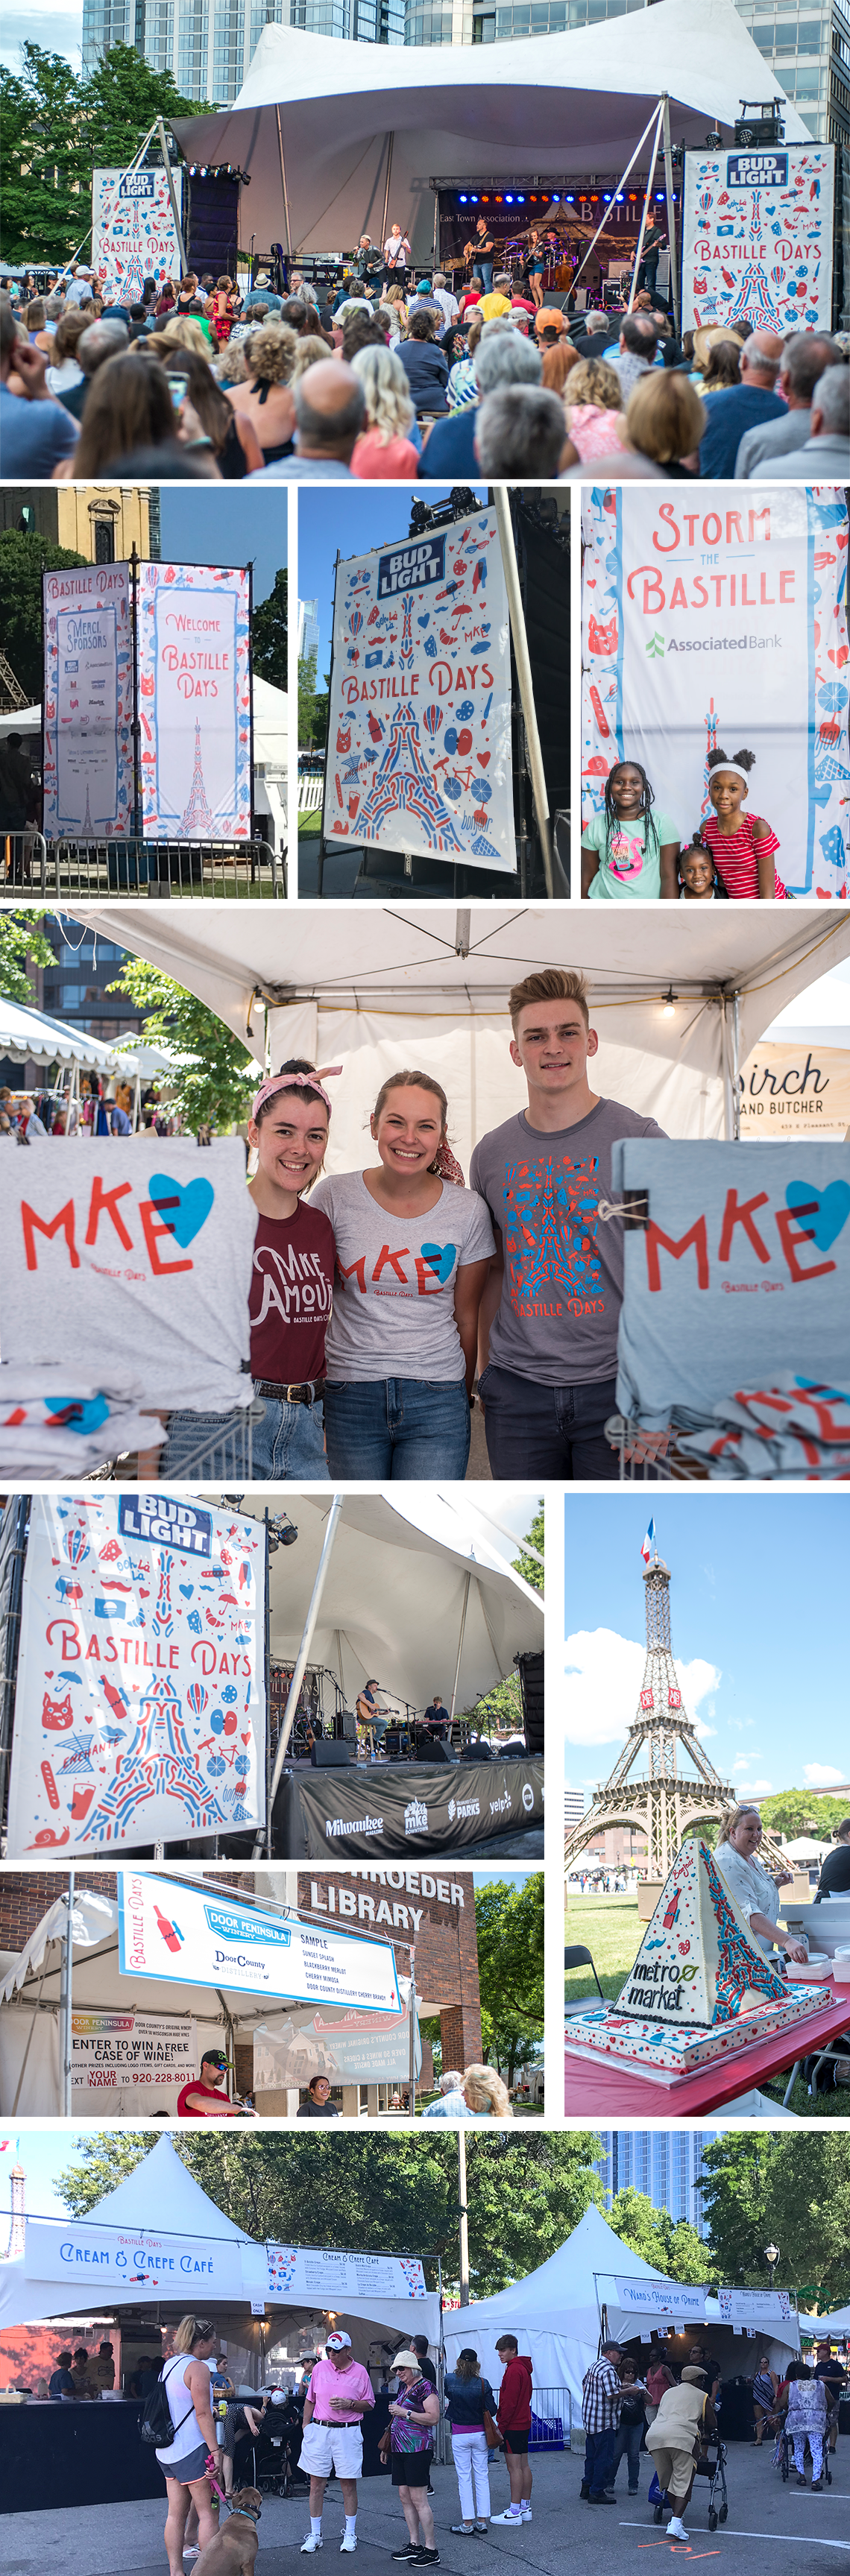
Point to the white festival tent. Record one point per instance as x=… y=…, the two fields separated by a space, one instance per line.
x=834 y=2329
x=678 y=1002
x=160 y=2198
x=339 y=138
x=29 y=1037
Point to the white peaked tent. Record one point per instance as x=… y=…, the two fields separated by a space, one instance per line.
x=29 y=1037
x=676 y=1000
x=555 y=2312
x=330 y=132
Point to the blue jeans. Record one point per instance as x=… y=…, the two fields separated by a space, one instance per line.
x=548 y=1430
x=397 y=1429
x=288 y=1442
x=598 y=2455
x=483 y=268
x=627 y=2442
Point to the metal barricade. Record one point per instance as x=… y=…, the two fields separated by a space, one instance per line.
x=23 y=862
x=670 y=1467
x=230 y=1453
x=551 y=2419
x=70 y=869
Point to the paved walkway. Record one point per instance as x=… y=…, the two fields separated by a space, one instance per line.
x=771 y=2531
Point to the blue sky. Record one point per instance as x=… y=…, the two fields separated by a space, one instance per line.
x=758 y=1614
x=227 y=524
x=353 y=522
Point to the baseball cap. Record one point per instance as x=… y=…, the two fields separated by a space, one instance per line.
x=337 y=2342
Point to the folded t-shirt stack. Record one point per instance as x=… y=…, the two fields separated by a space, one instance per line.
x=791 y=1428
x=70 y=1427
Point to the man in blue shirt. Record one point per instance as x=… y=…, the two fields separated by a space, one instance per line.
x=741 y=407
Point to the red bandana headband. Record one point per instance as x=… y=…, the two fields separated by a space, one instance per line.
x=294 y=1082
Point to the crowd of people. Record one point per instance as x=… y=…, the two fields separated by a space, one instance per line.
x=101 y=1108
x=395 y=377
x=674 y=2415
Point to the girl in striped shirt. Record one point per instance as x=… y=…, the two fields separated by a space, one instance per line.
x=742 y=845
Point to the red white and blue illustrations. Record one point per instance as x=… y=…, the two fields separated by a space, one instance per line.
x=718 y=620
x=88 y=701
x=318 y=2274
x=140 y=1695
x=133 y=230
x=419 y=730
x=194 y=647
x=758 y=238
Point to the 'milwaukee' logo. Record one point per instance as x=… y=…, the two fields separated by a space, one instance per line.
x=709 y=574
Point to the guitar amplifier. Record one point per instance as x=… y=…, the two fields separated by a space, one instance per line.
x=328 y=1755
x=348 y=1726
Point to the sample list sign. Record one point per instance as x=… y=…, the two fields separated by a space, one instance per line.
x=88 y=701
x=195 y=702
x=718 y=621
x=318 y=2274
x=758 y=238
x=419 y=727
x=174 y=1932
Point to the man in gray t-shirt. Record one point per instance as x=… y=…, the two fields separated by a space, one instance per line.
x=551 y=1306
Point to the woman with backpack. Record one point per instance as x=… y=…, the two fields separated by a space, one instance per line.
x=470 y=2408
x=178 y=2419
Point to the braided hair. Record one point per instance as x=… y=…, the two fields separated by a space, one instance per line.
x=646 y=805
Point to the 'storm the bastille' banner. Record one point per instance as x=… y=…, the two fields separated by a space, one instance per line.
x=758 y=238
x=195 y=702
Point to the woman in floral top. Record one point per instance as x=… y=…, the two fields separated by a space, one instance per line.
x=413 y=2415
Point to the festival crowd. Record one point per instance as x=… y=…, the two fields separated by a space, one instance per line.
x=398 y=378
x=677 y=2417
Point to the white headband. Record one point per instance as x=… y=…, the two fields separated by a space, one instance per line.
x=733 y=769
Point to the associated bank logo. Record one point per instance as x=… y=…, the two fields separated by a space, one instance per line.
x=655 y=647
x=527 y=1796
x=335 y=1825
x=501 y=1806
x=416 y=1817
x=463 y=1807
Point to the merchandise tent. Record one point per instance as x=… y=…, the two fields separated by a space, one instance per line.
x=160 y=2200
x=679 y=1003
x=30 y=1038
x=341 y=138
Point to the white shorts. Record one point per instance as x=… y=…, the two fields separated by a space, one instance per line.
x=332 y=2446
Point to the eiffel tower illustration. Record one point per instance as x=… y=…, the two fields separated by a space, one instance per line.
x=197 y=819
x=402 y=785
x=649 y=1786
x=710 y=722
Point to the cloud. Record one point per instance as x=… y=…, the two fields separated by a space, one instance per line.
x=822 y=1775
x=756 y=1788
x=603 y=1673
x=740 y=1765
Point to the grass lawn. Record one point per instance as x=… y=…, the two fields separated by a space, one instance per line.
x=309 y=825
x=608 y=1926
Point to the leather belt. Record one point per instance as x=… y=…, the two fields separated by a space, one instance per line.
x=307 y=1392
x=334 y=2423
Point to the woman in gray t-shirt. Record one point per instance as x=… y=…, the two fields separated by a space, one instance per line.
x=413 y=1249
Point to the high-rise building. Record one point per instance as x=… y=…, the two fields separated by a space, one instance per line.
x=666 y=2164
x=308 y=631
x=574 y=1806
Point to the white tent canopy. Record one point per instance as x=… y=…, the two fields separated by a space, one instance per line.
x=161 y=2195
x=379 y=989
x=546 y=107
x=393 y=1602
x=27 y=1035
x=830 y=2329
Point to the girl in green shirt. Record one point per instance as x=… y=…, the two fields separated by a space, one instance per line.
x=630 y=849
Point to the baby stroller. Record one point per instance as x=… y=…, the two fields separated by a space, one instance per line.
x=711 y=2467
x=275 y=2452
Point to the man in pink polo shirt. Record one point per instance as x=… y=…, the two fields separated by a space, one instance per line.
x=339 y=2395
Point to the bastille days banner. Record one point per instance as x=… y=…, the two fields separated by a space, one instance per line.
x=194 y=633
x=180 y=1934
x=140 y=1695
x=419 y=725
x=133 y=229
x=88 y=702
x=718 y=620
x=757 y=238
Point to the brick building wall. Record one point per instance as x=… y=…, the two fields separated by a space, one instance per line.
x=438 y=1914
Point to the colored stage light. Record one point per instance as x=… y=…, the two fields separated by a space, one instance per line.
x=508 y=201
x=520 y=201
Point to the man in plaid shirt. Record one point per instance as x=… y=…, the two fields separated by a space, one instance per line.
x=601 y=2399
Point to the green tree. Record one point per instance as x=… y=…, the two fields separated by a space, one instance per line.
x=527 y=1566
x=100 y=2160
x=21 y=939
x=270 y=630
x=23 y=559
x=321 y=703
x=509 y=1927
x=671 y=2244
x=46 y=201
x=800 y=1811
x=122 y=96
x=306 y=701
x=784 y=2189
x=213 y=1082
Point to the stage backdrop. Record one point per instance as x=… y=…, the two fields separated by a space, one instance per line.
x=142 y=2057
x=88 y=702
x=419 y=727
x=758 y=237
x=194 y=648
x=140 y=1693
x=719 y=620
x=133 y=230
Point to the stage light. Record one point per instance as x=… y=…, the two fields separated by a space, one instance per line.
x=463 y=201
x=606 y=200
x=520 y=201
x=508 y=201
x=473 y=201
x=569 y=201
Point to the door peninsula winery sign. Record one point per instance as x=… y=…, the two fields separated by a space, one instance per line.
x=419 y=724
x=140 y=1696
x=758 y=238
x=184 y=1936
x=171 y=642
x=718 y=621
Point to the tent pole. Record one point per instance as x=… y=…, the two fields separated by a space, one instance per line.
x=646 y=204
x=267 y=1661
x=390 y=142
x=303 y=1652
x=67 y=2001
x=412 y=2009
x=526 y=686
x=671 y=215
x=460 y=1644
x=166 y=160
x=621 y=184
x=463 y=2219
x=283 y=184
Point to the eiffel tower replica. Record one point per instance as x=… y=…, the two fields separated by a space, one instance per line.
x=197 y=822
x=649 y=1786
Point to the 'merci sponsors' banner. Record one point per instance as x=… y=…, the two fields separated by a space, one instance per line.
x=202 y=1940
x=419 y=726
x=660 y=2299
x=195 y=702
x=758 y=238
x=318 y=2275
x=130 y=2061
x=88 y=702
x=89 y=2258
x=718 y=621
x=140 y=1700
x=134 y=235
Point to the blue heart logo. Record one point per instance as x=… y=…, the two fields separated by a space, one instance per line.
x=440 y=1258
x=830 y=1209
x=183 y=1205
x=187 y=1590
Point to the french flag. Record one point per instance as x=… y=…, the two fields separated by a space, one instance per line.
x=649 y=1543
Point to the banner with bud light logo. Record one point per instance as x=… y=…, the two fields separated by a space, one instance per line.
x=757 y=239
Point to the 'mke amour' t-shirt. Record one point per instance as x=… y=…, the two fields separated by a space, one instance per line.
x=563 y=1286
x=291 y=1296
x=393 y=1312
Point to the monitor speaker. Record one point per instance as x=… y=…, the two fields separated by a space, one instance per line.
x=327 y=1755
x=530 y=1670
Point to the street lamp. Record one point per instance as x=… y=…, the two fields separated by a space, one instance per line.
x=771 y=2256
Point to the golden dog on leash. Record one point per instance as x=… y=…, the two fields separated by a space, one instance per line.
x=234 y=2549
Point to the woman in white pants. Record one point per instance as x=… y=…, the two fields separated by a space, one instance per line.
x=468 y=2399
